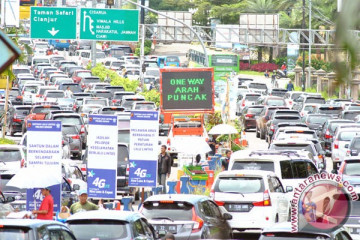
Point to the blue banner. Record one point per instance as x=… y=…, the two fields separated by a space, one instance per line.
x=108 y=120
x=144 y=115
x=34 y=196
x=143 y=173
x=101 y=183
x=44 y=126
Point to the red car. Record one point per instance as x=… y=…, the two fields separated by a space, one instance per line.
x=38 y=112
x=80 y=74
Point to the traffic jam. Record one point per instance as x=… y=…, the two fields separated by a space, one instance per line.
x=164 y=150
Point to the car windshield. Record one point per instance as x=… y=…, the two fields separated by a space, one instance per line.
x=309 y=108
x=177 y=211
x=123 y=153
x=330 y=110
x=295 y=95
x=41 y=46
x=31 y=89
x=276 y=102
x=352 y=168
x=240 y=185
x=55 y=95
x=251 y=165
x=255 y=110
x=101 y=102
x=149 y=80
x=9 y=155
x=155 y=73
x=73 y=87
x=128 y=102
x=17 y=71
x=121 y=95
x=36 y=61
x=251 y=97
x=315 y=100
x=333 y=126
x=22 y=111
x=317 y=119
x=100 y=55
x=348 y=136
x=44 y=109
x=124 y=136
x=258 y=86
x=84 y=74
x=69 y=120
x=14 y=233
x=100 y=229
x=291 y=146
x=351 y=115
x=69 y=130
x=354 y=107
x=103 y=94
x=146 y=106
x=91 y=80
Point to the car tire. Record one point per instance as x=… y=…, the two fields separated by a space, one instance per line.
x=257 y=132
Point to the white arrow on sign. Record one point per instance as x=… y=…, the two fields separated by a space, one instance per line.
x=53 y=31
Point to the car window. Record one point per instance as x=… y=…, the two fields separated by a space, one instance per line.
x=146 y=228
x=42 y=233
x=215 y=210
x=138 y=228
x=286 y=171
x=66 y=235
x=206 y=210
x=55 y=234
x=239 y=185
x=251 y=165
x=277 y=187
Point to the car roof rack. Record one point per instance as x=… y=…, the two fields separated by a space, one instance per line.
x=267 y=152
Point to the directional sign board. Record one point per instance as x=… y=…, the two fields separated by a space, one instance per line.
x=109 y=24
x=53 y=23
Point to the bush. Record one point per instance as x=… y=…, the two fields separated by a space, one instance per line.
x=6 y=141
x=316 y=63
x=291 y=76
x=262 y=67
x=244 y=66
x=280 y=61
x=152 y=95
x=101 y=71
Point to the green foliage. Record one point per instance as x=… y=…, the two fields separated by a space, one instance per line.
x=291 y=76
x=147 y=48
x=280 y=60
x=316 y=63
x=171 y=5
x=212 y=120
x=101 y=71
x=313 y=89
x=228 y=13
x=152 y=95
x=6 y=141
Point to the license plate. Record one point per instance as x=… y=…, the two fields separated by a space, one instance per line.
x=165 y=228
x=239 y=207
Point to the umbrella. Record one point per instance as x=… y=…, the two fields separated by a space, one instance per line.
x=32 y=177
x=223 y=129
x=192 y=146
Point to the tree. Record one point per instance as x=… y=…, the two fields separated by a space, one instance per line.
x=228 y=13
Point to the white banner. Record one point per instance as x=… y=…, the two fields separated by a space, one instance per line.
x=10 y=13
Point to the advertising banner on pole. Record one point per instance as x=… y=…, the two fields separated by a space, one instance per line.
x=102 y=156
x=144 y=132
x=44 y=150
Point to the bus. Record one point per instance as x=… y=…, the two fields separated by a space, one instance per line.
x=222 y=61
x=168 y=61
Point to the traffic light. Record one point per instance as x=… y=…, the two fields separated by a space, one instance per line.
x=110 y=2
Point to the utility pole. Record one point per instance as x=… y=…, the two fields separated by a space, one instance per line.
x=310 y=42
x=93 y=44
x=142 y=21
x=6 y=107
x=177 y=20
x=303 y=53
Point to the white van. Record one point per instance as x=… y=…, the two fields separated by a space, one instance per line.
x=83 y=57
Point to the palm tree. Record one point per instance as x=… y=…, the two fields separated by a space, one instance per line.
x=267 y=6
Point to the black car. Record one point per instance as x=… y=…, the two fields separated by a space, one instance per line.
x=278 y=92
x=198 y=216
x=272 y=125
x=16 y=118
x=316 y=121
x=353 y=147
x=15 y=96
x=34 y=229
x=248 y=116
x=333 y=110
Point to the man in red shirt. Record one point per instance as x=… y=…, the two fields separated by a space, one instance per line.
x=46 y=210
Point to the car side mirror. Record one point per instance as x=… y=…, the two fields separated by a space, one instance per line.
x=289 y=189
x=227 y=216
x=76 y=187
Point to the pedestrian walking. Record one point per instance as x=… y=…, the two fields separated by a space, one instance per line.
x=284 y=68
x=68 y=93
x=164 y=167
x=83 y=204
x=290 y=86
x=273 y=78
x=46 y=209
x=267 y=75
x=226 y=161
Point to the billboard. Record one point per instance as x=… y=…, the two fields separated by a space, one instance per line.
x=10 y=13
x=187 y=89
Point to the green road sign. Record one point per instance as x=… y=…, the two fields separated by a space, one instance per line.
x=109 y=24
x=53 y=23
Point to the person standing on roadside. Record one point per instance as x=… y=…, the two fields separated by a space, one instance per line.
x=83 y=204
x=164 y=167
x=46 y=209
x=290 y=86
x=226 y=161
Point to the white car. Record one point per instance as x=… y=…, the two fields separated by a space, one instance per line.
x=29 y=91
x=256 y=199
x=341 y=139
x=40 y=48
x=12 y=157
